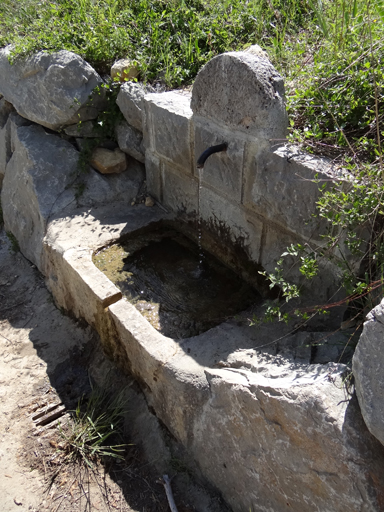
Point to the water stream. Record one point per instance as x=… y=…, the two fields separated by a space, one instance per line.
x=200 y=171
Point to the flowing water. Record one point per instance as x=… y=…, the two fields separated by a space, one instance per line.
x=179 y=289
x=199 y=230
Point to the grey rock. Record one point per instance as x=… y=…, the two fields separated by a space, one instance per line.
x=129 y=100
x=42 y=179
x=130 y=140
x=52 y=89
x=5 y=136
x=287 y=446
x=82 y=130
x=153 y=175
x=6 y=140
x=5 y=109
x=105 y=189
x=244 y=92
x=41 y=168
x=368 y=364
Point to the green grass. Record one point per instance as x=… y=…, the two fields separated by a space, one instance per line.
x=88 y=436
x=13 y=241
x=330 y=52
x=170 y=40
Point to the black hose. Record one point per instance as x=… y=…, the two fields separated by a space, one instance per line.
x=208 y=152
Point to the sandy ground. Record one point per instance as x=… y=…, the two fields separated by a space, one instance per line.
x=29 y=323
x=45 y=359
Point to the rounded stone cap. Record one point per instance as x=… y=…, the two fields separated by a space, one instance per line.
x=243 y=92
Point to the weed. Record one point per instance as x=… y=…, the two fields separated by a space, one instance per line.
x=105 y=128
x=15 y=247
x=88 y=436
x=79 y=189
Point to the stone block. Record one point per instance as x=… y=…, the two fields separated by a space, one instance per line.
x=368 y=364
x=78 y=286
x=281 y=187
x=224 y=170
x=230 y=223
x=130 y=99
x=180 y=192
x=242 y=92
x=168 y=114
x=52 y=89
x=130 y=140
x=290 y=442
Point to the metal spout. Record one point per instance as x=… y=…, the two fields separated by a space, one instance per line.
x=208 y=152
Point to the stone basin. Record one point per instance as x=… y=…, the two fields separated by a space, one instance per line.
x=245 y=403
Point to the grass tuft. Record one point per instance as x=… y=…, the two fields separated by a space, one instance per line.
x=94 y=426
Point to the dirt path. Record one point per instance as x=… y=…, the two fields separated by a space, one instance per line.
x=44 y=359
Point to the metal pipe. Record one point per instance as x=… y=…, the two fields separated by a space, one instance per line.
x=208 y=152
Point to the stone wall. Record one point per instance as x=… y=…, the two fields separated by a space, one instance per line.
x=259 y=195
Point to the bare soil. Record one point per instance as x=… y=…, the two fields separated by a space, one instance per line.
x=47 y=359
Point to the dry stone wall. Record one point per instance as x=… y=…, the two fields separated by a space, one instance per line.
x=271 y=427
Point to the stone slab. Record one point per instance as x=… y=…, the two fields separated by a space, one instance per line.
x=180 y=192
x=281 y=186
x=223 y=171
x=35 y=186
x=242 y=92
x=168 y=114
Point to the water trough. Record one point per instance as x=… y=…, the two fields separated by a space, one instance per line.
x=262 y=413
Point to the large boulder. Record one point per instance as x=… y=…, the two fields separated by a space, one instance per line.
x=368 y=364
x=53 y=90
x=36 y=185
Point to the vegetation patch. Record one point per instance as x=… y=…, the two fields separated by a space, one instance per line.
x=13 y=240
